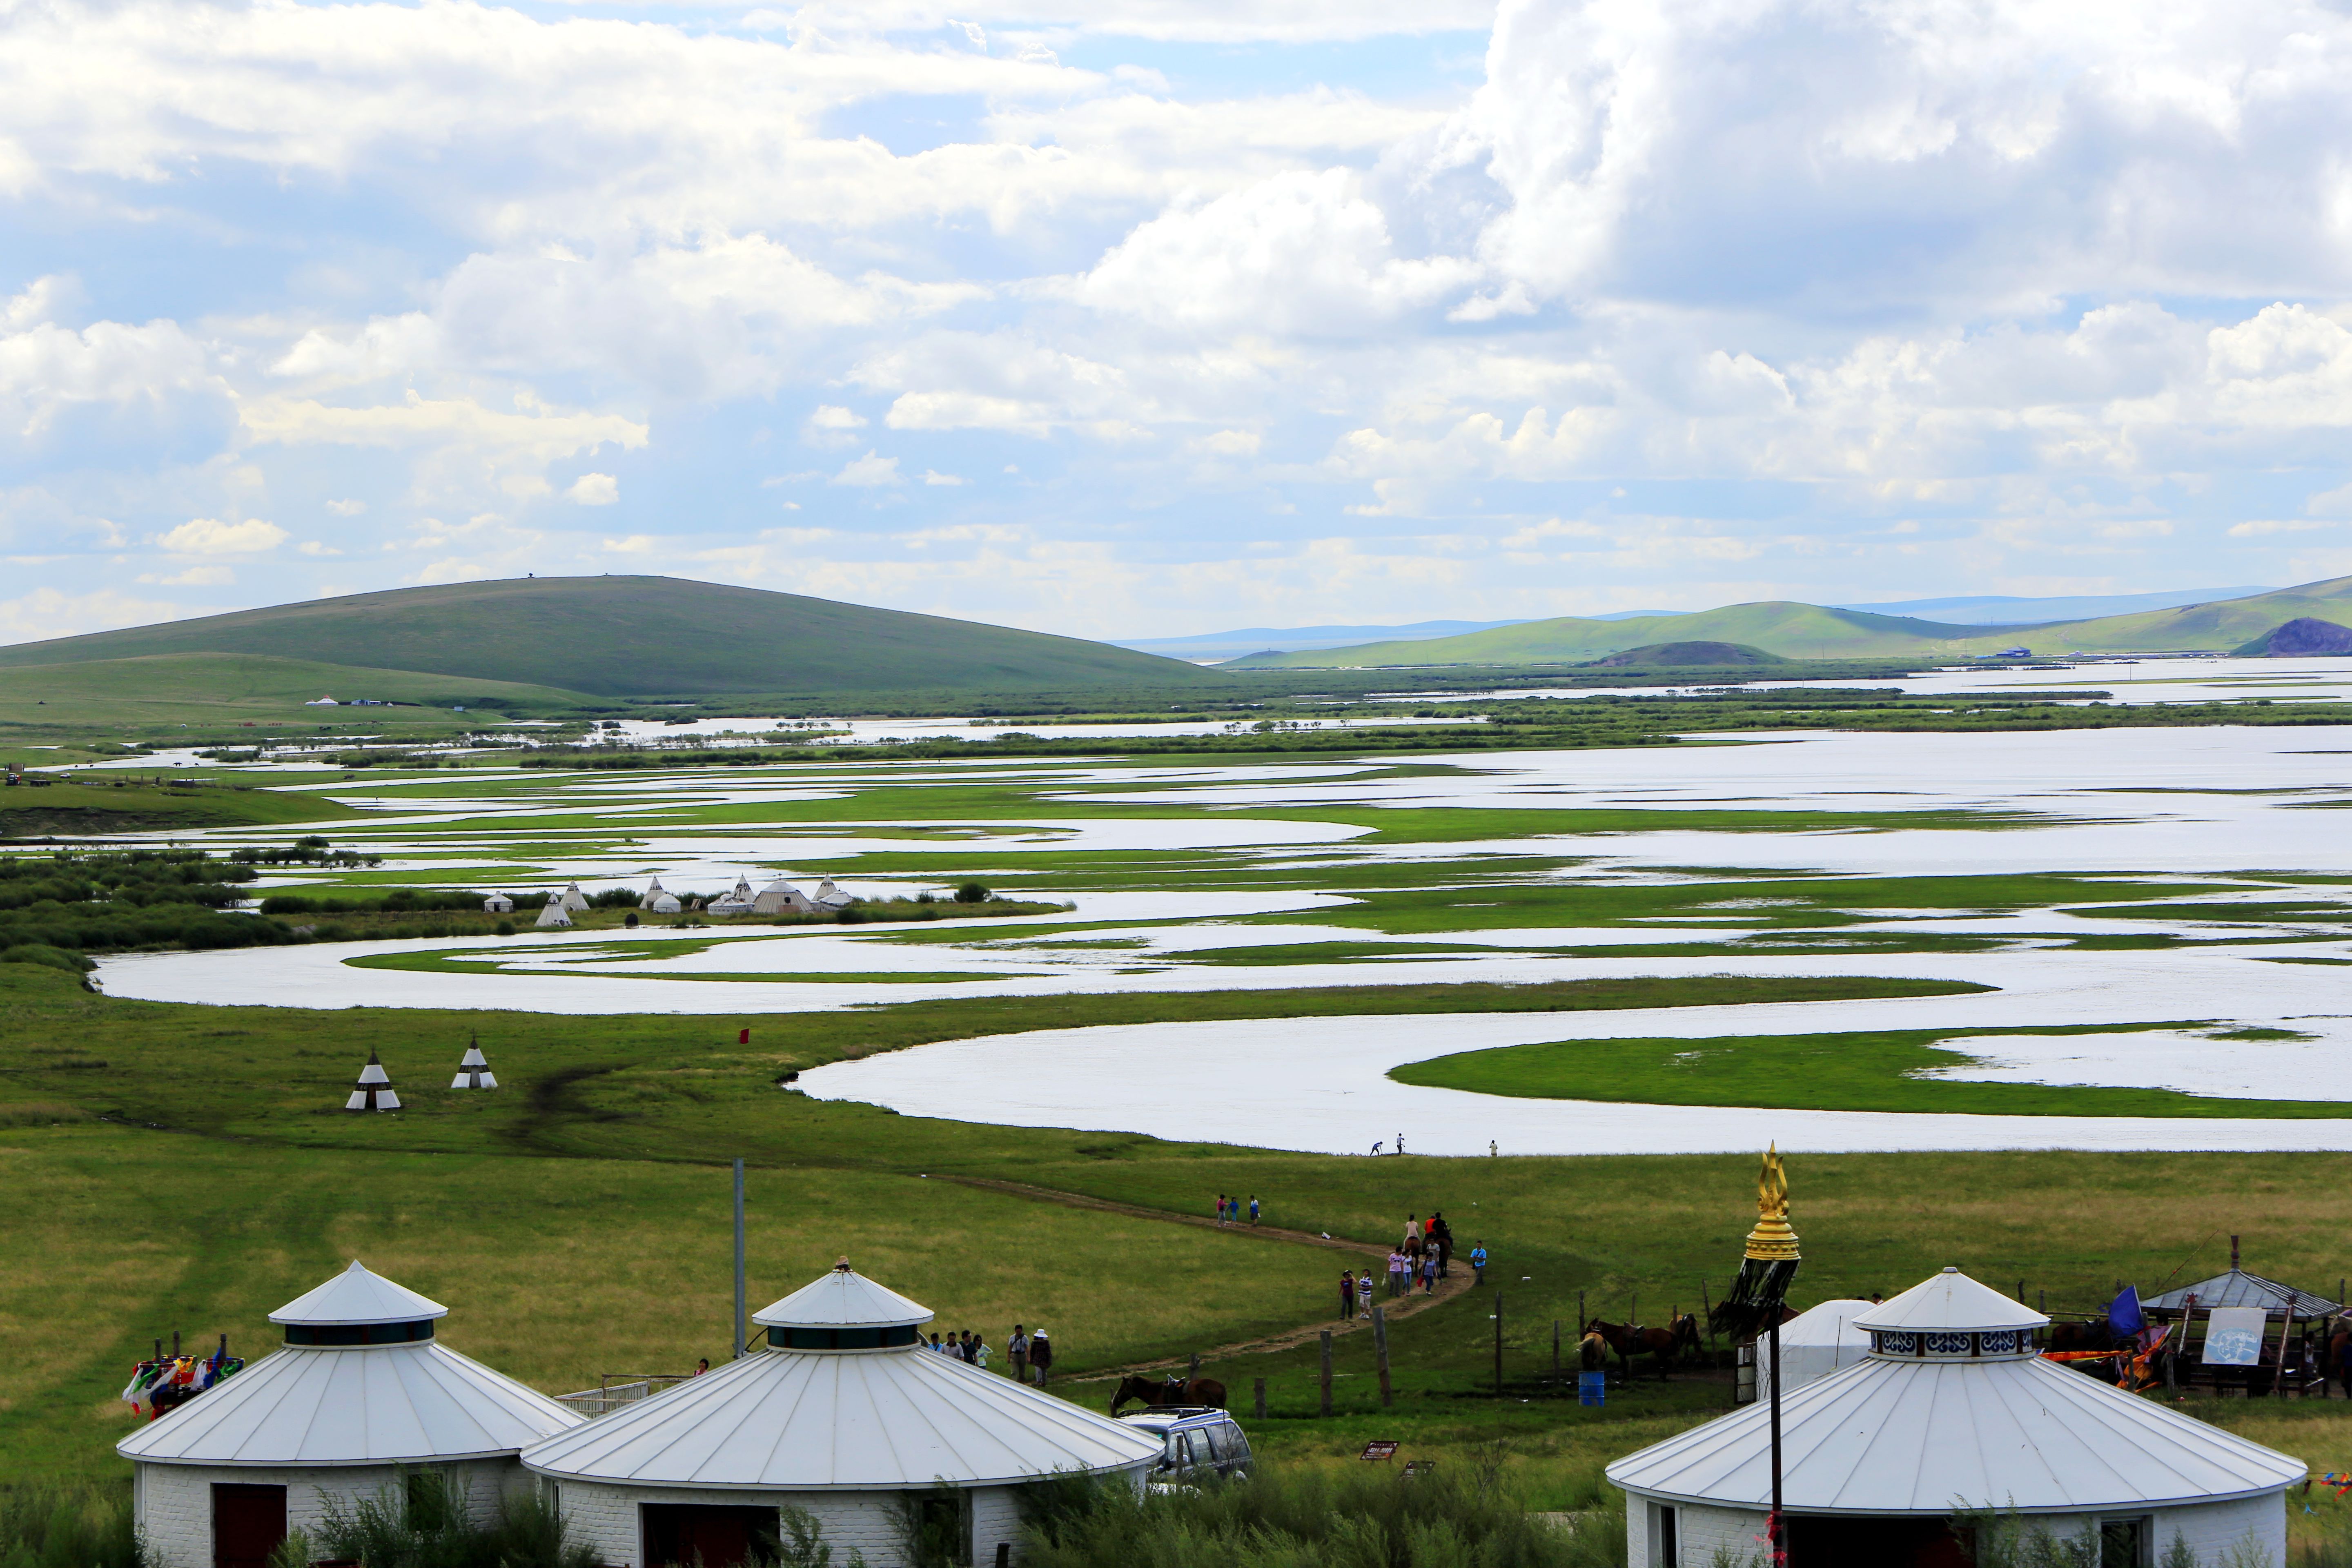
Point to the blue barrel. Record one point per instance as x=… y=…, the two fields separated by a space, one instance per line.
x=1593 y=1388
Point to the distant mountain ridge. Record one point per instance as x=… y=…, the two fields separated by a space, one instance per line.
x=632 y=636
x=1792 y=630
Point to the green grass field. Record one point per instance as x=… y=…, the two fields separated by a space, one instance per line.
x=1819 y=1072
x=97 y=805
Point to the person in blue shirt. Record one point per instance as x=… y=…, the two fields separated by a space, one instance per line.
x=1479 y=1264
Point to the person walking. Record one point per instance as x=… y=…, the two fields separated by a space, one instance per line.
x=1018 y=1347
x=1429 y=1273
x=980 y=1352
x=1478 y=1263
x=1041 y=1355
x=1364 y=1289
x=1396 y=1272
x=1346 y=1293
x=1493 y=1151
x=1252 y=1208
x=1221 y=1208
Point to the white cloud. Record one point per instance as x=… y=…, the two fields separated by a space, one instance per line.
x=210 y=536
x=312 y=547
x=594 y=490
x=868 y=471
x=192 y=577
x=347 y=507
x=48 y=613
x=932 y=477
x=832 y=425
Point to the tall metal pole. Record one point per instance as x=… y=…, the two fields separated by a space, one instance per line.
x=1778 y=1528
x=740 y=1324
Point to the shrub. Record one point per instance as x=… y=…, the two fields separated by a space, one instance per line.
x=44 y=1525
x=972 y=893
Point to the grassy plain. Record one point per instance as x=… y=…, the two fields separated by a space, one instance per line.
x=95 y=804
x=1822 y=1072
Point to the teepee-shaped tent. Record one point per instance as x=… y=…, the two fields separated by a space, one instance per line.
x=553 y=914
x=474 y=1072
x=660 y=899
x=573 y=899
x=374 y=1091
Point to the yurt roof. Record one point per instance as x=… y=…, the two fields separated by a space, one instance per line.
x=1830 y=1323
x=1895 y=1435
x=878 y=1420
x=383 y=1405
x=356 y=1296
x=843 y=1298
x=1952 y=1300
x=2240 y=1289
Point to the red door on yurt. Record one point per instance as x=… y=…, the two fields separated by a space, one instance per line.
x=248 y=1524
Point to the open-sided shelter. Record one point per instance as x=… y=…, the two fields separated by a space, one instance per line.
x=841 y=1414
x=362 y=1399
x=1953 y=1412
x=1814 y=1344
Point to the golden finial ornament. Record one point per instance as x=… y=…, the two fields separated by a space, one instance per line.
x=1772 y=1241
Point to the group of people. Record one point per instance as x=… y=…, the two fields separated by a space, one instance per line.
x=1229 y=1209
x=1028 y=1350
x=1425 y=1255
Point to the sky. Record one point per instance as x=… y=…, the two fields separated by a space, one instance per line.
x=1139 y=317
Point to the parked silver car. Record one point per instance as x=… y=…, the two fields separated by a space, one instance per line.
x=1198 y=1444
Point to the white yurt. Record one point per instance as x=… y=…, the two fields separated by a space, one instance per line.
x=1953 y=1409
x=841 y=1413
x=780 y=898
x=1814 y=1344
x=361 y=1398
x=736 y=900
x=660 y=899
x=497 y=904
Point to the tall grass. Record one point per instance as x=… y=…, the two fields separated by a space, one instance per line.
x=1320 y=1516
x=51 y=1526
x=423 y=1526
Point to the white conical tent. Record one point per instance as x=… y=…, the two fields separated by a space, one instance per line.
x=1952 y=1409
x=876 y=1413
x=369 y=1397
x=553 y=915
x=660 y=900
x=1814 y=1344
x=572 y=898
x=374 y=1091
x=474 y=1070
x=737 y=900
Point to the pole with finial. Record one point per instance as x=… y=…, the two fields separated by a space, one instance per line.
x=1757 y=1300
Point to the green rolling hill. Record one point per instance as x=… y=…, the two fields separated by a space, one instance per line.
x=214 y=688
x=1792 y=630
x=624 y=637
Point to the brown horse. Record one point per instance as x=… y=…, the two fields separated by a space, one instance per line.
x=1662 y=1345
x=1592 y=1352
x=1205 y=1393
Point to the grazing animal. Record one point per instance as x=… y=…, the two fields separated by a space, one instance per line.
x=1664 y=1346
x=1592 y=1352
x=1205 y=1392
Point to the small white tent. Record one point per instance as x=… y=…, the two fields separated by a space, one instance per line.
x=843 y=1413
x=736 y=900
x=374 y=1091
x=660 y=899
x=1955 y=1409
x=497 y=904
x=474 y=1071
x=832 y=897
x=360 y=1397
x=553 y=915
x=1816 y=1343
x=572 y=898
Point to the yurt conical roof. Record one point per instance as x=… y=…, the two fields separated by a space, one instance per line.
x=858 y=1420
x=843 y=1298
x=1927 y=1434
x=1954 y=1302
x=410 y=1403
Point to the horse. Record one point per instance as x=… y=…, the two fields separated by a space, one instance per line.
x=1592 y=1352
x=1663 y=1345
x=1203 y=1392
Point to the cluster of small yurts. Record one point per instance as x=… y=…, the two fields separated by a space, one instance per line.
x=841 y=1414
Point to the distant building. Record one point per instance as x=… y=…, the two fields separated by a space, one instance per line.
x=736 y=900
x=2017 y=653
x=323 y=702
x=497 y=904
x=833 y=898
x=780 y=898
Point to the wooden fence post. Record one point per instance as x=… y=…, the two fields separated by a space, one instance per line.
x=1381 y=1350
x=1498 y=1344
x=1326 y=1371
x=1257 y=1397
x=1555 y=1347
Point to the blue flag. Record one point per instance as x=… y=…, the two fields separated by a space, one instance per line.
x=2124 y=1314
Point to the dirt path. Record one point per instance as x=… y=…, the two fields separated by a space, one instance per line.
x=1457 y=1283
